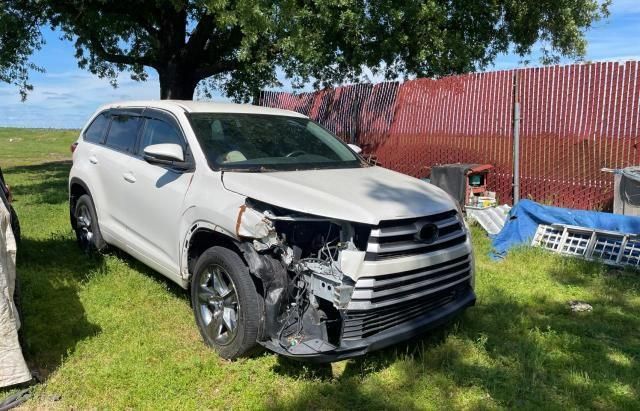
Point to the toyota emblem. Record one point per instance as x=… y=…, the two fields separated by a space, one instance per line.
x=428 y=233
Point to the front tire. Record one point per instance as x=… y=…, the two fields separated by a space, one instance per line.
x=87 y=228
x=226 y=305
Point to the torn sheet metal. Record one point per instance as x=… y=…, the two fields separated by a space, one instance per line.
x=609 y=247
x=351 y=261
x=255 y=224
x=492 y=219
x=13 y=369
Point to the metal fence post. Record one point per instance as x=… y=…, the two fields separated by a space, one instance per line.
x=516 y=140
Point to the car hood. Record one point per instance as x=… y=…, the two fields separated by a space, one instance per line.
x=364 y=195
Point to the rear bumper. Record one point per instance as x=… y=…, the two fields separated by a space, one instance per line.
x=323 y=353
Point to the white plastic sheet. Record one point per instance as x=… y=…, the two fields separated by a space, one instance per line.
x=13 y=369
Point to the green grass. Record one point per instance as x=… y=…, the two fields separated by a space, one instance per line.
x=109 y=333
x=20 y=146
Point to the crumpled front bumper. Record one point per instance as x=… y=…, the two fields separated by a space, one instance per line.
x=320 y=352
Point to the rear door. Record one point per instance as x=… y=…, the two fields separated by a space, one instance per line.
x=155 y=194
x=118 y=150
x=86 y=160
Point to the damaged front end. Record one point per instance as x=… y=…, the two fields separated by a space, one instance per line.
x=308 y=267
x=336 y=289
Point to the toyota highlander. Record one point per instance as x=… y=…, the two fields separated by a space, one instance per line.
x=284 y=235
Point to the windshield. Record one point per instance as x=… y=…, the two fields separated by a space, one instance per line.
x=259 y=142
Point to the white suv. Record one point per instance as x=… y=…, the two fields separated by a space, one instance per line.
x=284 y=235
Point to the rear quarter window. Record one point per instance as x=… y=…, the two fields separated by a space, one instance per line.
x=123 y=132
x=95 y=132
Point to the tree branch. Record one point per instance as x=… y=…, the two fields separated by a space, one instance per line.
x=208 y=70
x=122 y=8
x=98 y=48
x=204 y=31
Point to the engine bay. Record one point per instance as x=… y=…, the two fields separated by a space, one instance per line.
x=317 y=261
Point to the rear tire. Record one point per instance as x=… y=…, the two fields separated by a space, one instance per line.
x=226 y=305
x=87 y=228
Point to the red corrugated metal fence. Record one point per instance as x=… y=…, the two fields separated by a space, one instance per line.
x=575 y=120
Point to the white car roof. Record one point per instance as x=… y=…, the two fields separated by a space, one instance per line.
x=204 y=107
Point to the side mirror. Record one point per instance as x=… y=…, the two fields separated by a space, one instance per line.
x=165 y=154
x=355 y=148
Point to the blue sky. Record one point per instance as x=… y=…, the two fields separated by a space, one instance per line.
x=65 y=96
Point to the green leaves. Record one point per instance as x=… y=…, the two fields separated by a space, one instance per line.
x=239 y=44
x=19 y=37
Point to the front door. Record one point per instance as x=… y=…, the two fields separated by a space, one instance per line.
x=156 y=195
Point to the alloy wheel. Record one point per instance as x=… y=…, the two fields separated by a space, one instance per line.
x=85 y=232
x=219 y=307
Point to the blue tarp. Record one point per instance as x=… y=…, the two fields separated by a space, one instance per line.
x=523 y=219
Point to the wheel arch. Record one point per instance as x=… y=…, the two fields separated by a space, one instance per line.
x=203 y=235
x=77 y=188
x=200 y=237
x=268 y=273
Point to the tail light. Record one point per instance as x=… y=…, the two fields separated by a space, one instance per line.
x=73 y=146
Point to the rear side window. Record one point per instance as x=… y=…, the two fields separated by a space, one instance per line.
x=96 y=130
x=123 y=132
x=160 y=132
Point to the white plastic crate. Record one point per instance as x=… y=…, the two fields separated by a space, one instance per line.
x=609 y=247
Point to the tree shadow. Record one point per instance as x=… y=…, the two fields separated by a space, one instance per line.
x=522 y=354
x=530 y=353
x=52 y=272
x=131 y=262
x=344 y=389
x=41 y=183
x=302 y=370
x=50 y=167
x=544 y=351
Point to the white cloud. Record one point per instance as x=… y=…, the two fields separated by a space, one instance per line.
x=67 y=99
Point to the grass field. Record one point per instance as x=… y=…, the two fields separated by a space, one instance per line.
x=110 y=333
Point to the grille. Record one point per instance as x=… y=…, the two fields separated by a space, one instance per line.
x=379 y=302
x=394 y=288
x=362 y=324
x=398 y=238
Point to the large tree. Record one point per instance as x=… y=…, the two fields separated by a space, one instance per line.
x=237 y=46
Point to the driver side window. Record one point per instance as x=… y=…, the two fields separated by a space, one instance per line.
x=160 y=132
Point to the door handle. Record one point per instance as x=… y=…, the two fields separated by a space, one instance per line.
x=129 y=177
x=93 y=160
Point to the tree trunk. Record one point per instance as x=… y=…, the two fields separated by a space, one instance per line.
x=177 y=82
